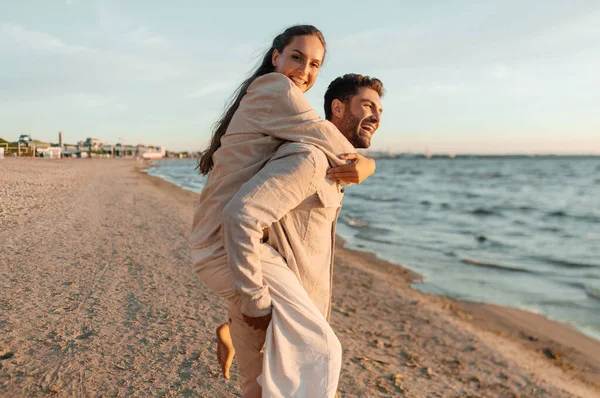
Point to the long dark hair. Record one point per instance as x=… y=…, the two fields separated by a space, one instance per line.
x=205 y=163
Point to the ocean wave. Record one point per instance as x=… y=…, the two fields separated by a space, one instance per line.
x=354 y=222
x=496 y=266
x=550 y=229
x=477 y=175
x=371 y=238
x=563 y=214
x=558 y=213
x=480 y=211
x=593 y=294
x=481 y=238
x=520 y=208
x=566 y=263
x=577 y=285
x=525 y=208
x=374 y=198
x=591 y=276
x=561 y=303
x=488 y=242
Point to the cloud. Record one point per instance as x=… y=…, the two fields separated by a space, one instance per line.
x=110 y=21
x=499 y=71
x=210 y=89
x=122 y=31
x=112 y=63
x=143 y=37
x=445 y=89
x=88 y=100
x=21 y=37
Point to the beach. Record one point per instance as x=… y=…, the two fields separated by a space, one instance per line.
x=97 y=298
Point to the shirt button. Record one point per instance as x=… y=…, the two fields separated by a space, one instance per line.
x=343 y=190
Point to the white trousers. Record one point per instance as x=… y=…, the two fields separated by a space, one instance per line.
x=302 y=357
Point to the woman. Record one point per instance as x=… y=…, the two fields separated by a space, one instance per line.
x=245 y=138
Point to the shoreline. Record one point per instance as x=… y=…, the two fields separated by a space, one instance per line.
x=561 y=344
x=566 y=347
x=417 y=276
x=591 y=333
x=97 y=297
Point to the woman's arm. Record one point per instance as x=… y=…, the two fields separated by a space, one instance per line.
x=358 y=170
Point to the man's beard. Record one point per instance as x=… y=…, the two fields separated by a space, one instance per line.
x=351 y=129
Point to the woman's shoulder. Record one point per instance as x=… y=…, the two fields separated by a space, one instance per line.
x=271 y=82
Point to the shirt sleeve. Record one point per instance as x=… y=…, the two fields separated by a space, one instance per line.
x=281 y=185
x=274 y=106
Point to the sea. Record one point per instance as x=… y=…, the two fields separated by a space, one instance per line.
x=518 y=231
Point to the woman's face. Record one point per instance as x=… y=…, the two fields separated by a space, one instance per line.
x=300 y=61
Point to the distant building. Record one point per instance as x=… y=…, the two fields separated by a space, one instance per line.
x=51 y=152
x=25 y=139
x=152 y=152
x=125 y=150
x=141 y=149
x=70 y=153
x=90 y=144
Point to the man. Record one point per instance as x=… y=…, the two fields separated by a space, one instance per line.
x=299 y=210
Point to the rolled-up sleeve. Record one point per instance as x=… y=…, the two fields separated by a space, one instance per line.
x=281 y=185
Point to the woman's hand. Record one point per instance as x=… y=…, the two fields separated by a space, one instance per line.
x=260 y=323
x=356 y=172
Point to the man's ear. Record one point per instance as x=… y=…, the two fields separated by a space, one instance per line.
x=274 y=57
x=338 y=108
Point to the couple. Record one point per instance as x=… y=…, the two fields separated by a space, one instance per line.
x=264 y=225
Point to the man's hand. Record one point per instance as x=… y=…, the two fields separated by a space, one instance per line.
x=260 y=323
x=356 y=172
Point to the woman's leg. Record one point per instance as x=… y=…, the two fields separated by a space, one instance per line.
x=225 y=349
x=217 y=276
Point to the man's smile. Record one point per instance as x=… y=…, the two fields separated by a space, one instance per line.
x=368 y=128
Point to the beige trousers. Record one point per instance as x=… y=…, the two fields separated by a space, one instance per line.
x=299 y=354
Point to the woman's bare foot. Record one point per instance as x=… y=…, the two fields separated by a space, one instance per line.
x=225 y=350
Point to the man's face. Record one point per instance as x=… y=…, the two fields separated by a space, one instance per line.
x=361 y=116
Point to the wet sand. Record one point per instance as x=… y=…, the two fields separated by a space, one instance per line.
x=97 y=298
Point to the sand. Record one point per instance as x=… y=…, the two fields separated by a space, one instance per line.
x=97 y=298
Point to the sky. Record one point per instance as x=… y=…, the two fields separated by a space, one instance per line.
x=486 y=77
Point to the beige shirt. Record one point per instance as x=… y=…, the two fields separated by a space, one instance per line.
x=272 y=112
x=292 y=198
